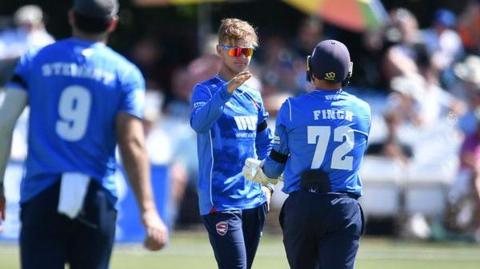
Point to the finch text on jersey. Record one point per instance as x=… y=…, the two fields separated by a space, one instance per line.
x=332 y=114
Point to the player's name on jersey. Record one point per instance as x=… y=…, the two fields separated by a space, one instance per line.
x=74 y=70
x=332 y=114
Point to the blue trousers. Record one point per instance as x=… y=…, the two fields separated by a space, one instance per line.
x=49 y=240
x=234 y=236
x=321 y=231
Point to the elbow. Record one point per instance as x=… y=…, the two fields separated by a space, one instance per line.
x=132 y=146
x=197 y=126
x=5 y=128
x=272 y=169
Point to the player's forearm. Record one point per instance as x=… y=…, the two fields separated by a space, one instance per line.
x=137 y=166
x=204 y=117
x=274 y=164
x=5 y=147
x=11 y=108
x=263 y=143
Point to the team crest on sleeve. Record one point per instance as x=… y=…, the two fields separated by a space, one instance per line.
x=222 y=228
x=199 y=104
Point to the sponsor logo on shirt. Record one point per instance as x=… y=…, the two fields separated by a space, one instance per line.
x=245 y=123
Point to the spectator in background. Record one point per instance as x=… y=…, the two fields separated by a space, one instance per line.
x=422 y=102
x=391 y=147
x=467 y=183
x=403 y=36
x=283 y=63
x=469 y=27
x=178 y=106
x=468 y=87
x=405 y=96
x=184 y=79
x=278 y=67
x=442 y=41
x=29 y=33
x=308 y=34
x=273 y=104
x=310 y=31
x=435 y=103
x=147 y=53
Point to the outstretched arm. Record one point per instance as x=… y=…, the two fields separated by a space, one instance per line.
x=275 y=162
x=135 y=160
x=11 y=108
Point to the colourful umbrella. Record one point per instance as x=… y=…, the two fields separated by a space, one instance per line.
x=355 y=15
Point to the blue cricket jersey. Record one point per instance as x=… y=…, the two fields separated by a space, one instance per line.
x=230 y=128
x=75 y=90
x=325 y=130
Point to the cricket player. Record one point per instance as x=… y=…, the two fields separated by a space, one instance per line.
x=83 y=98
x=231 y=124
x=320 y=139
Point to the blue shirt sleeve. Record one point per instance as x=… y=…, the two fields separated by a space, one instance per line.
x=263 y=140
x=20 y=76
x=206 y=109
x=133 y=87
x=273 y=168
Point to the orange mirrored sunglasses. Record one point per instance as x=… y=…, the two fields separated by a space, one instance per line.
x=237 y=51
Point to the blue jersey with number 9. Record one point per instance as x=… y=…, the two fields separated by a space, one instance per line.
x=325 y=130
x=75 y=90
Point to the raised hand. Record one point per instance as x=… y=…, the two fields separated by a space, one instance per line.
x=238 y=80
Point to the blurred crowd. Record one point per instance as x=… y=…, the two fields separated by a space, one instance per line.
x=423 y=86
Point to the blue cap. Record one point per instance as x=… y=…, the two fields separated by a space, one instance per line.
x=330 y=61
x=103 y=9
x=445 y=17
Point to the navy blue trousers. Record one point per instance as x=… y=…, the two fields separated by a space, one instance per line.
x=234 y=236
x=49 y=240
x=321 y=231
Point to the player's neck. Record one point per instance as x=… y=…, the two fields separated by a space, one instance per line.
x=103 y=37
x=327 y=86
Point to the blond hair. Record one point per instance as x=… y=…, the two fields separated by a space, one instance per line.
x=232 y=29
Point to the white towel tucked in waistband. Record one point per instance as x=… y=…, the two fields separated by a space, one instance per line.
x=73 y=189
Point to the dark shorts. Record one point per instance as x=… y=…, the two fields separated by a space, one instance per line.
x=321 y=231
x=50 y=240
x=234 y=236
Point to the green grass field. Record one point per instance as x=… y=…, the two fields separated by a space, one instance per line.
x=192 y=251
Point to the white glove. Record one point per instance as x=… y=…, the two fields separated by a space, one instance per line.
x=252 y=170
